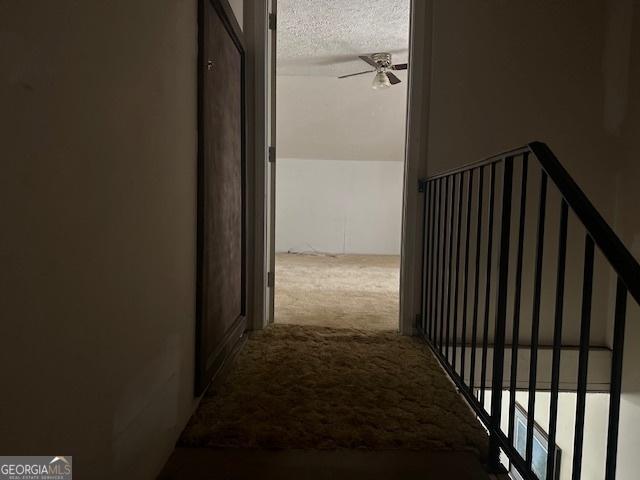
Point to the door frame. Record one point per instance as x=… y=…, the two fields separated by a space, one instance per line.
x=272 y=15
x=415 y=164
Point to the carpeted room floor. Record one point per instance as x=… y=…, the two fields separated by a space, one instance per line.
x=343 y=291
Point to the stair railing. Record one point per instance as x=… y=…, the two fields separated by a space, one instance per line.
x=453 y=253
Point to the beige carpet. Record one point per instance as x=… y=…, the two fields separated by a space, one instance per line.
x=301 y=387
x=344 y=291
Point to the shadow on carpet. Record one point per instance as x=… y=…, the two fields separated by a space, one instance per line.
x=299 y=387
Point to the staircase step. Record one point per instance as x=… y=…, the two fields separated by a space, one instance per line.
x=237 y=464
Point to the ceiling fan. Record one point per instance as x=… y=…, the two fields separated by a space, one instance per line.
x=381 y=62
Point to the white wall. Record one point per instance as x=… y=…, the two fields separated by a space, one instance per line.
x=98 y=201
x=340 y=148
x=338 y=206
x=329 y=118
x=238 y=10
x=595 y=428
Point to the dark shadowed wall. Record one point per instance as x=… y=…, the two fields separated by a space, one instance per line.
x=98 y=207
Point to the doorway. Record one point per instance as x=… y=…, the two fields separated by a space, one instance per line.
x=341 y=103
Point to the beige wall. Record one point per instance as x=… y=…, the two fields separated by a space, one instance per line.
x=506 y=73
x=238 y=10
x=97 y=200
x=623 y=56
x=566 y=73
x=326 y=118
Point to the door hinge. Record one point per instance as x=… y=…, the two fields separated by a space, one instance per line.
x=422 y=185
x=271 y=279
x=272 y=21
x=272 y=154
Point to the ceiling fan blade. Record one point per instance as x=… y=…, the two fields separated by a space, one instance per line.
x=400 y=66
x=368 y=59
x=392 y=78
x=345 y=58
x=354 y=74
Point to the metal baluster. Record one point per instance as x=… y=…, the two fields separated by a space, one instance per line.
x=583 y=358
x=436 y=263
x=517 y=300
x=557 y=339
x=433 y=188
x=455 y=297
x=466 y=276
x=429 y=259
x=450 y=275
x=444 y=257
x=487 y=285
x=474 y=328
x=616 y=379
x=425 y=255
x=535 y=320
x=501 y=314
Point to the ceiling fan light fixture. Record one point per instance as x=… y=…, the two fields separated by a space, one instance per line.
x=380 y=81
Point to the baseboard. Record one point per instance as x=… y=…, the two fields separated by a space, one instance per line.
x=220 y=358
x=225 y=367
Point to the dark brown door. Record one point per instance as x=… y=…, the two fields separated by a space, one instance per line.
x=221 y=189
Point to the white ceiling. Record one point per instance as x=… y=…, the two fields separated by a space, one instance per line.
x=325 y=37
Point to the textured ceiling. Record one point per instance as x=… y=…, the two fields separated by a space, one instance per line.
x=325 y=37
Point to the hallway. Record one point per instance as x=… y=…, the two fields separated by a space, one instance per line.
x=322 y=390
x=156 y=156
x=331 y=391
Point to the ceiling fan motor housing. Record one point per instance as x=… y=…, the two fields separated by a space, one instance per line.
x=383 y=60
